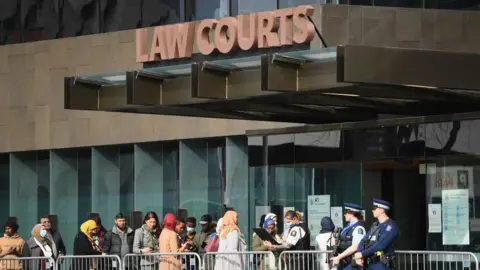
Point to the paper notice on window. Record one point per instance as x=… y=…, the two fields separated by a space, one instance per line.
x=318 y=208
x=337 y=215
x=455 y=208
x=434 y=218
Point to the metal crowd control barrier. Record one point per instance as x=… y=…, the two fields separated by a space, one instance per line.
x=30 y=263
x=303 y=260
x=162 y=261
x=404 y=260
x=246 y=260
x=435 y=260
x=98 y=262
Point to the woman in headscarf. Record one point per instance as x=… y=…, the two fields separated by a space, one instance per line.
x=169 y=243
x=39 y=246
x=271 y=216
x=84 y=244
x=258 y=245
x=324 y=240
x=231 y=241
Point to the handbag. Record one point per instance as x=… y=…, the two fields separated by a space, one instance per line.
x=212 y=245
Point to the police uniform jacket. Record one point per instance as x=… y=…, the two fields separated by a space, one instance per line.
x=381 y=237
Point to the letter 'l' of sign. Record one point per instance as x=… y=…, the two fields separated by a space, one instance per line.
x=282 y=27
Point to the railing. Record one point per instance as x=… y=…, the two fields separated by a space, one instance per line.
x=30 y=263
x=98 y=262
x=300 y=260
x=404 y=260
x=435 y=260
x=248 y=260
x=163 y=261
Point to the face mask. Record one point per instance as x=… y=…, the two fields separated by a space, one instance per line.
x=43 y=233
x=288 y=224
x=190 y=230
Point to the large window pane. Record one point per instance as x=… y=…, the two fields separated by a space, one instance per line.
x=79 y=17
x=201 y=177
x=156 y=177
x=4 y=186
x=170 y=160
x=121 y=15
x=258 y=180
x=447 y=176
x=64 y=199
x=236 y=188
x=10 y=22
x=148 y=178
x=453 y=164
x=400 y=3
x=41 y=19
x=294 y=3
x=24 y=190
x=455 y=4
x=43 y=174
x=391 y=158
x=84 y=185
x=127 y=182
x=112 y=182
x=160 y=12
x=198 y=10
x=252 y=6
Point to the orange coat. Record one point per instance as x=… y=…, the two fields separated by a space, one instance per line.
x=14 y=243
x=169 y=243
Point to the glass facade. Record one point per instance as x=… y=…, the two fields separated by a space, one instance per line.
x=409 y=165
x=33 y=20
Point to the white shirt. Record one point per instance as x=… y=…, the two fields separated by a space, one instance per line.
x=294 y=235
x=358 y=234
x=323 y=241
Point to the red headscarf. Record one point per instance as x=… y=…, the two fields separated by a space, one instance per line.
x=169 y=222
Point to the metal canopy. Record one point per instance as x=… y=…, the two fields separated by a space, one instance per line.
x=328 y=85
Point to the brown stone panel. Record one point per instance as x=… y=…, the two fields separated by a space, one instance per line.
x=60 y=134
x=379 y=27
x=42 y=126
x=41 y=80
x=4 y=90
x=57 y=112
x=355 y=25
x=406 y=25
x=100 y=129
x=80 y=132
x=470 y=25
x=22 y=136
x=4 y=69
x=4 y=138
x=448 y=26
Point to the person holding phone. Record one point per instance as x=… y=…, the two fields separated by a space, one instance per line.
x=145 y=241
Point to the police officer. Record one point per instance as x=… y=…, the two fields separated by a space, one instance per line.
x=298 y=239
x=377 y=248
x=350 y=237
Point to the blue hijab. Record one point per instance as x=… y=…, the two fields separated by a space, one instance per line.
x=327 y=225
x=268 y=222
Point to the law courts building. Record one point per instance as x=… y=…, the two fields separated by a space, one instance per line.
x=173 y=106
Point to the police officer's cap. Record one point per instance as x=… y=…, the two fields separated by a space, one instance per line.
x=381 y=204
x=352 y=207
